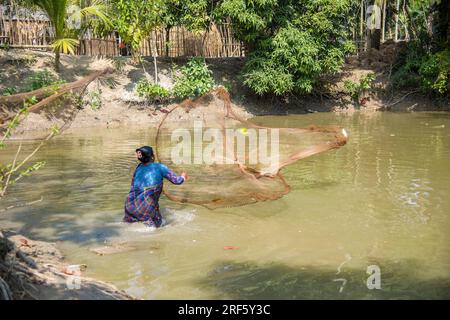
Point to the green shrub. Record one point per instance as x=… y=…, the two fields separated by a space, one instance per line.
x=227 y=85
x=194 y=79
x=10 y=91
x=42 y=79
x=151 y=91
x=418 y=66
x=406 y=72
x=5 y=46
x=435 y=72
x=355 y=89
x=95 y=99
x=349 y=47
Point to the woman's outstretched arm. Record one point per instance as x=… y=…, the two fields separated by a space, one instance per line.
x=171 y=176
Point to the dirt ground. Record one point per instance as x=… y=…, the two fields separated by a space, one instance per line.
x=36 y=270
x=111 y=101
x=117 y=103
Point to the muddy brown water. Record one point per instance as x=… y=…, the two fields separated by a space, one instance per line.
x=382 y=200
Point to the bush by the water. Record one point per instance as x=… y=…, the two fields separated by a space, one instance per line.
x=151 y=91
x=94 y=99
x=435 y=72
x=193 y=79
x=356 y=89
x=420 y=67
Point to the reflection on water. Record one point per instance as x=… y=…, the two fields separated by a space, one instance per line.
x=380 y=200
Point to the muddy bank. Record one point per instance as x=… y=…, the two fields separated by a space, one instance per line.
x=32 y=269
x=112 y=102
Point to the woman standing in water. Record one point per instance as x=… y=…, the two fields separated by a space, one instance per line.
x=142 y=203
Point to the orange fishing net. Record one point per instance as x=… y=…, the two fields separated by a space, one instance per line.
x=230 y=160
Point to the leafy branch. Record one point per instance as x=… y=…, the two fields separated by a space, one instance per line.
x=10 y=173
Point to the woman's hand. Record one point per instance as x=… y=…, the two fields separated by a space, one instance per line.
x=184 y=175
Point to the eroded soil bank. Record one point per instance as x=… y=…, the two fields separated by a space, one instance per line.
x=112 y=102
x=32 y=269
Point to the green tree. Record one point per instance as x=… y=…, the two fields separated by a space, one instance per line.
x=291 y=43
x=195 y=15
x=425 y=62
x=135 y=19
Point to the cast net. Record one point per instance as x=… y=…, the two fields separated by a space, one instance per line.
x=230 y=160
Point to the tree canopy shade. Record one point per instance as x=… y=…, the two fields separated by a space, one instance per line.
x=291 y=42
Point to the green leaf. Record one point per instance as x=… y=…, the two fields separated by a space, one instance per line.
x=66 y=45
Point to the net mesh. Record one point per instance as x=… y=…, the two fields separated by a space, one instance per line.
x=230 y=160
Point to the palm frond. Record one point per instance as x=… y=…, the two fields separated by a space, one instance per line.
x=66 y=45
x=96 y=9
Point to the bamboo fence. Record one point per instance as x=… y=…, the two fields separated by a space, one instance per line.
x=217 y=42
x=25 y=29
x=21 y=28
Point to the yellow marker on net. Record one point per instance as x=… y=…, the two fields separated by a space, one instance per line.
x=243 y=130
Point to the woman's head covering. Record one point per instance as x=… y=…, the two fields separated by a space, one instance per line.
x=147 y=154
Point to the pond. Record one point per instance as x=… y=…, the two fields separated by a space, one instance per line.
x=382 y=200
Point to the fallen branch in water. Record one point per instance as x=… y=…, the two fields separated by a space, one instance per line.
x=388 y=105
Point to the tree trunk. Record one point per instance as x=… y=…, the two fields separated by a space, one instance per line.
x=135 y=55
x=167 y=40
x=397 y=8
x=156 y=69
x=57 y=59
x=155 y=55
x=429 y=23
x=373 y=16
x=361 y=24
x=412 y=29
x=383 y=26
x=405 y=13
